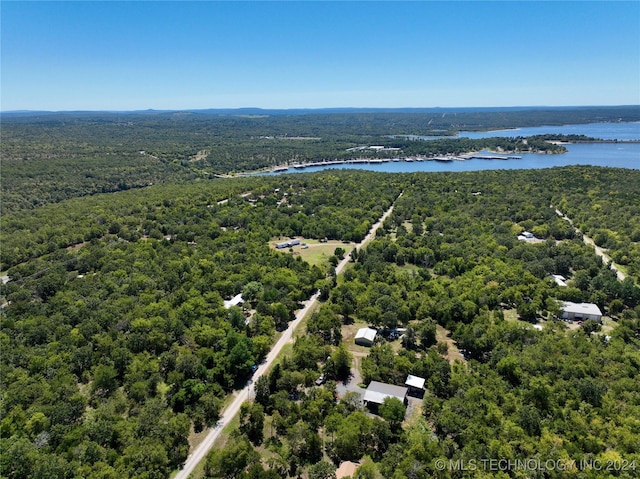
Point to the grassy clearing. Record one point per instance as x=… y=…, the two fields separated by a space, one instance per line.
x=408 y=269
x=608 y=324
x=317 y=253
x=453 y=353
x=510 y=315
x=349 y=334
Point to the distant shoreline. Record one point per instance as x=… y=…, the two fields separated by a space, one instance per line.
x=485 y=154
x=471 y=155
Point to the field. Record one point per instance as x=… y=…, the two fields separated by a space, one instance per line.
x=453 y=353
x=317 y=253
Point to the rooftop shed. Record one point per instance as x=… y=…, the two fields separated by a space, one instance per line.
x=414 y=382
x=365 y=336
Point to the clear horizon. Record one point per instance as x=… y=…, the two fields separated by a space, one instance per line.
x=126 y=56
x=143 y=110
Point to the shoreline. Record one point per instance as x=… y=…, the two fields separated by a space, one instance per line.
x=471 y=155
x=485 y=154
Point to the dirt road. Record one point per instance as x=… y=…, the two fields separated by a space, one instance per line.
x=599 y=251
x=244 y=394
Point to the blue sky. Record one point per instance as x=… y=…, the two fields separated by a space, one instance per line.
x=179 y=55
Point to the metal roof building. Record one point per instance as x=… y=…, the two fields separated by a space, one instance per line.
x=580 y=311
x=414 y=382
x=365 y=336
x=235 y=301
x=415 y=385
x=377 y=392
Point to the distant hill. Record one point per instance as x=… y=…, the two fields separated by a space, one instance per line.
x=624 y=110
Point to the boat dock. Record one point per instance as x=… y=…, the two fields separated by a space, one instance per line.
x=356 y=161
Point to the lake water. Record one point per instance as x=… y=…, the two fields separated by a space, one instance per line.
x=620 y=155
x=605 y=131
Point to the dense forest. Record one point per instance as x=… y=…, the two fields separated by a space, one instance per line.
x=117 y=347
x=448 y=257
x=48 y=158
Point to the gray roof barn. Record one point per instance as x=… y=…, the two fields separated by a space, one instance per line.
x=365 y=336
x=377 y=392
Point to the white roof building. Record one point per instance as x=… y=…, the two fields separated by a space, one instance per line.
x=414 y=382
x=366 y=336
x=528 y=237
x=580 y=311
x=235 y=301
x=559 y=279
x=377 y=392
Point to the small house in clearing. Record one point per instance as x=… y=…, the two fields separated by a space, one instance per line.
x=580 y=311
x=528 y=237
x=366 y=336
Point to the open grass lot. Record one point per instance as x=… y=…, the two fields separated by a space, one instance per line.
x=317 y=253
x=348 y=338
x=453 y=353
x=608 y=324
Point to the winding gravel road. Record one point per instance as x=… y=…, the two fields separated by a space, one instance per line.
x=599 y=251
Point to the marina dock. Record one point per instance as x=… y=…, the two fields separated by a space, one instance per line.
x=356 y=161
